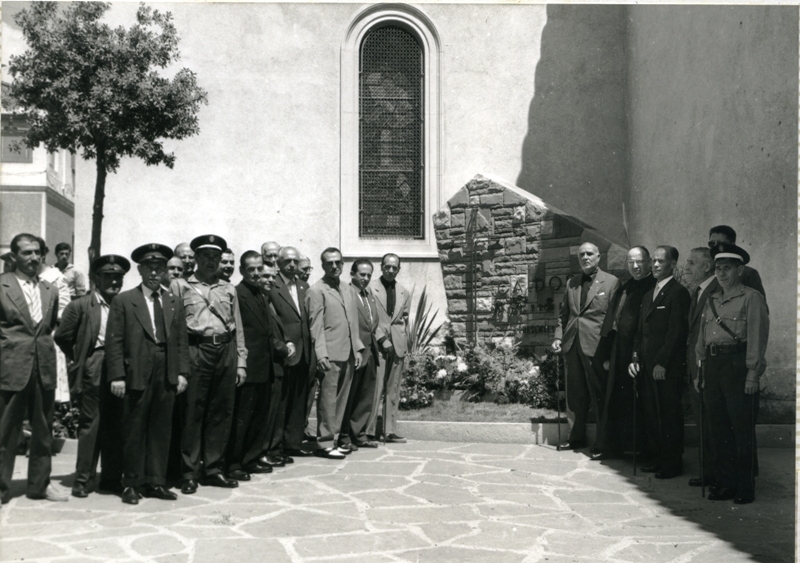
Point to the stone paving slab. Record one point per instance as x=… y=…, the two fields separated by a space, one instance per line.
x=418 y=502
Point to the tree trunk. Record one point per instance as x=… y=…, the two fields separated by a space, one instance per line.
x=97 y=208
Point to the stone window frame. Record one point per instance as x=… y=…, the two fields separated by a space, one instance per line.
x=420 y=26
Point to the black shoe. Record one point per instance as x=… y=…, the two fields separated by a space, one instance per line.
x=219 y=480
x=114 y=487
x=309 y=438
x=130 y=496
x=651 y=469
x=346 y=449
x=256 y=468
x=5 y=497
x=367 y=444
x=395 y=439
x=744 y=499
x=722 y=493
x=271 y=461
x=189 y=487
x=698 y=482
x=668 y=473
x=286 y=459
x=238 y=475
x=160 y=492
x=79 y=490
x=576 y=445
x=299 y=453
x=329 y=453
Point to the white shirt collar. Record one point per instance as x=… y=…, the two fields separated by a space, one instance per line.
x=660 y=285
x=706 y=283
x=101 y=299
x=25 y=278
x=286 y=280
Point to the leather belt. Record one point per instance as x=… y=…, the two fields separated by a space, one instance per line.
x=215 y=339
x=719 y=349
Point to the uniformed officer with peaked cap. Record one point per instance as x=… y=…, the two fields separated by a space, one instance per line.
x=81 y=336
x=219 y=359
x=731 y=347
x=148 y=363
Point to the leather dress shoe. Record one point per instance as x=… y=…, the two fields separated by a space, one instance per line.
x=721 y=493
x=329 y=453
x=744 y=499
x=79 y=490
x=668 y=473
x=256 y=468
x=51 y=493
x=219 y=480
x=651 y=469
x=395 y=439
x=286 y=459
x=299 y=453
x=271 y=461
x=114 y=487
x=367 y=444
x=130 y=496
x=578 y=445
x=160 y=492
x=5 y=497
x=238 y=475
x=346 y=449
x=353 y=447
x=698 y=482
x=189 y=487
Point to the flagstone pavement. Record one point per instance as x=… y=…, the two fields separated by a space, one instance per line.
x=418 y=502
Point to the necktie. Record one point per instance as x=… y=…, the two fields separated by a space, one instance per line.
x=158 y=318
x=695 y=299
x=586 y=283
x=35 y=301
x=364 y=299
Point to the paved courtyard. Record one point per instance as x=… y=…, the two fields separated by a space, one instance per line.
x=418 y=502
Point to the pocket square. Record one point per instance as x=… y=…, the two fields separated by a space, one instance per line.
x=601 y=293
x=661 y=307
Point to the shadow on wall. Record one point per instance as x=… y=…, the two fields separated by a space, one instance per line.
x=575 y=152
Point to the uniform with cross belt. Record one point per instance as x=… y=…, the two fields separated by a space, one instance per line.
x=732 y=345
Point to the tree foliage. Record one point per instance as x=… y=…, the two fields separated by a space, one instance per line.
x=97 y=90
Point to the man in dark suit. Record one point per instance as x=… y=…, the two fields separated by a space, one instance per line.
x=580 y=325
x=620 y=327
x=699 y=272
x=288 y=297
x=333 y=323
x=28 y=316
x=661 y=347
x=82 y=335
x=148 y=362
x=362 y=390
x=251 y=429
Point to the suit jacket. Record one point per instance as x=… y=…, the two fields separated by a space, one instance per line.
x=262 y=347
x=76 y=336
x=367 y=327
x=295 y=323
x=664 y=329
x=587 y=320
x=394 y=328
x=333 y=321
x=21 y=341
x=695 y=326
x=131 y=344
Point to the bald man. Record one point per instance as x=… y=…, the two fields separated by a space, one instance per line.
x=269 y=253
x=580 y=326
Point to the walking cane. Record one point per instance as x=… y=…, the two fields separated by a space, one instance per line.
x=635 y=360
x=702 y=428
x=558 y=400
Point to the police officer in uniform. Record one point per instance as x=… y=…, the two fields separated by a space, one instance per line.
x=731 y=349
x=218 y=360
x=81 y=335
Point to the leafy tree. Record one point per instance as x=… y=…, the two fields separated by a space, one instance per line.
x=84 y=85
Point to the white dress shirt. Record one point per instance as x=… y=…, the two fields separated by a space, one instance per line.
x=148 y=298
x=104 y=309
x=291 y=285
x=660 y=285
x=33 y=296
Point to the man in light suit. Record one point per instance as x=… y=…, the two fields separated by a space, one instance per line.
x=147 y=352
x=661 y=346
x=28 y=316
x=362 y=391
x=82 y=335
x=578 y=334
x=333 y=323
x=288 y=297
x=699 y=272
x=394 y=302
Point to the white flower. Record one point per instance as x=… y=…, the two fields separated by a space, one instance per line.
x=462 y=367
x=535 y=371
x=450 y=358
x=441 y=374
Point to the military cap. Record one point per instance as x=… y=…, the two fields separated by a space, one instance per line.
x=111 y=264
x=152 y=251
x=209 y=241
x=728 y=250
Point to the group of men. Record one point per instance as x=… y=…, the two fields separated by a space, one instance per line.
x=630 y=348
x=189 y=378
